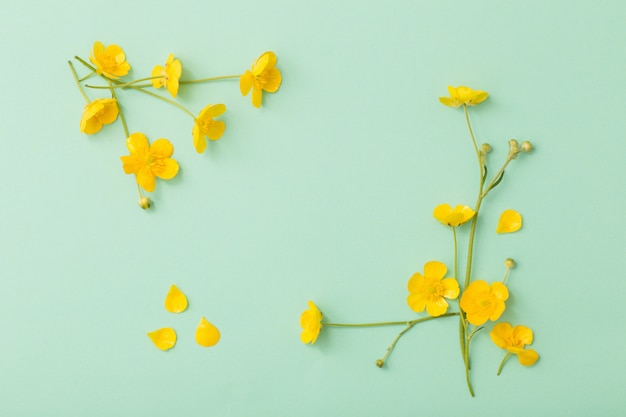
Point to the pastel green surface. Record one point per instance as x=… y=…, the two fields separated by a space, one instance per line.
x=325 y=193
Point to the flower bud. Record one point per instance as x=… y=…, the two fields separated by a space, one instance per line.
x=509 y=263
x=513 y=148
x=380 y=363
x=485 y=147
x=145 y=203
x=527 y=146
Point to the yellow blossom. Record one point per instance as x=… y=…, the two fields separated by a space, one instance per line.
x=514 y=340
x=460 y=96
x=446 y=215
x=175 y=300
x=149 y=161
x=481 y=301
x=109 y=61
x=102 y=111
x=263 y=77
x=170 y=75
x=163 y=339
x=429 y=290
x=207 y=334
x=205 y=125
x=311 y=323
x=510 y=221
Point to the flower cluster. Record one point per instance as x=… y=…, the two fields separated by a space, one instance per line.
x=478 y=301
x=207 y=334
x=149 y=161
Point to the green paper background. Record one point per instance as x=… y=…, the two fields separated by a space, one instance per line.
x=324 y=194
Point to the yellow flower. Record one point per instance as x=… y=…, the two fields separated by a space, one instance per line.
x=175 y=300
x=510 y=221
x=513 y=340
x=149 y=161
x=461 y=96
x=264 y=76
x=163 y=339
x=311 y=323
x=207 y=335
x=109 y=61
x=102 y=111
x=171 y=74
x=446 y=215
x=481 y=301
x=429 y=290
x=205 y=125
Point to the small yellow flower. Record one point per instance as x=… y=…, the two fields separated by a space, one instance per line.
x=207 y=334
x=510 y=221
x=205 y=125
x=462 y=96
x=163 y=339
x=446 y=215
x=170 y=73
x=311 y=323
x=263 y=77
x=109 y=61
x=513 y=340
x=481 y=301
x=149 y=161
x=102 y=111
x=429 y=290
x=175 y=300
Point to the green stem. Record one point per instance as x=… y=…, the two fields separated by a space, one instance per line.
x=202 y=80
x=389 y=323
x=80 y=87
x=472 y=135
x=173 y=103
x=121 y=113
x=502 y=363
x=131 y=83
x=496 y=177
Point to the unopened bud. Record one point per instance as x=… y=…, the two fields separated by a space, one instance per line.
x=513 y=148
x=485 y=147
x=509 y=263
x=145 y=203
x=527 y=146
x=380 y=363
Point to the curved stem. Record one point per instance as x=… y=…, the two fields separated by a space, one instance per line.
x=121 y=113
x=80 y=88
x=173 y=103
x=202 y=80
x=496 y=177
x=390 y=323
x=131 y=83
x=502 y=363
x=469 y=126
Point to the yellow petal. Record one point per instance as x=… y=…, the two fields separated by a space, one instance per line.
x=166 y=168
x=146 y=179
x=528 y=357
x=435 y=270
x=161 y=148
x=510 y=221
x=245 y=83
x=216 y=130
x=137 y=143
x=199 y=142
x=257 y=96
x=272 y=80
x=163 y=339
x=175 y=301
x=500 y=333
x=207 y=335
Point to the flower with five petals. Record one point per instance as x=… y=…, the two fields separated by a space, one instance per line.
x=430 y=290
x=481 y=301
x=102 y=111
x=170 y=75
x=109 y=61
x=263 y=77
x=205 y=125
x=311 y=323
x=149 y=161
x=463 y=96
x=513 y=339
x=446 y=215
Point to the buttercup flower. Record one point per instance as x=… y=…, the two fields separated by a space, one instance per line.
x=481 y=301
x=102 y=111
x=207 y=334
x=263 y=77
x=206 y=126
x=311 y=323
x=171 y=74
x=163 y=339
x=460 y=96
x=149 y=161
x=513 y=340
x=446 y=215
x=510 y=221
x=429 y=290
x=109 y=61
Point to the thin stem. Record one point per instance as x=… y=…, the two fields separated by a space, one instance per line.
x=202 y=80
x=502 y=363
x=80 y=87
x=131 y=83
x=496 y=177
x=469 y=126
x=389 y=323
x=121 y=113
x=86 y=77
x=506 y=274
x=173 y=103
x=139 y=191
x=467 y=369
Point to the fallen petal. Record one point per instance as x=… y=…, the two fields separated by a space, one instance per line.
x=207 y=335
x=510 y=221
x=175 y=301
x=163 y=339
